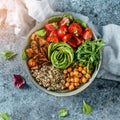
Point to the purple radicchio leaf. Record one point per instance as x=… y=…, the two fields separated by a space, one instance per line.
x=18 y=81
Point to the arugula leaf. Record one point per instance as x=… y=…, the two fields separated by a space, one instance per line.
x=86 y=108
x=63 y=112
x=88 y=53
x=8 y=54
x=4 y=116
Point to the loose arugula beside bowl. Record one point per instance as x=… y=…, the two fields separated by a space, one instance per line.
x=62 y=55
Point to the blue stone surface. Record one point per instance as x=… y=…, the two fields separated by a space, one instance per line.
x=29 y=103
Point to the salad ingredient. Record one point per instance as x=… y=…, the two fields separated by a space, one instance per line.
x=62 y=31
x=8 y=54
x=75 y=77
x=87 y=34
x=60 y=54
x=18 y=81
x=67 y=38
x=29 y=52
x=86 y=108
x=75 y=29
x=88 y=53
x=4 y=116
x=64 y=22
x=37 y=52
x=63 y=112
x=41 y=32
x=83 y=24
x=51 y=26
x=54 y=19
x=68 y=15
x=49 y=77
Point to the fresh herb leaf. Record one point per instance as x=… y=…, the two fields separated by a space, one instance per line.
x=63 y=112
x=89 y=53
x=24 y=56
x=8 y=54
x=41 y=32
x=4 y=116
x=86 y=108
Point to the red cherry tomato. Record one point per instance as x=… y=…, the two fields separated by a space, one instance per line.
x=61 y=31
x=51 y=26
x=66 y=37
x=87 y=34
x=53 y=37
x=78 y=41
x=64 y=21
x=72 y=43
x=75 y=29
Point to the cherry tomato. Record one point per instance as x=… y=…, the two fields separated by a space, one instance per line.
x=75 y=29
x=64 y=21
x=61 y=31
x=72 y=43
x=87 y=34
x=66 y=37
x=53 y=37
x=51 y=26
x=53 y=33
x=78 y=41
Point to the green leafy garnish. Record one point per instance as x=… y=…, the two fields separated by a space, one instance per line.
x=54 y=19
x=8 y=54
x=86 y=108
x=41 y=32
x=63 y=112
x=4 y=116
x=24 y=56
x=88 y=53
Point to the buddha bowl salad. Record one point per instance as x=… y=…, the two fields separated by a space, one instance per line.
x=63 y=54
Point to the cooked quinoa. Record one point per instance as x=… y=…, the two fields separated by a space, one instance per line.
x=49 y=77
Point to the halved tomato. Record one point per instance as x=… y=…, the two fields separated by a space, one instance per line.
x=62 y=31
x=51 y=26
x=67 y=37
x=75 y=29
x=53 y=37
x=87 y=34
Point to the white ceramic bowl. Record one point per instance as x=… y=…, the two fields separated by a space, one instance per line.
x=56 y=93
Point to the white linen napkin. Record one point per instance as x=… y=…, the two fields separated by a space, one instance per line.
x=27 y=12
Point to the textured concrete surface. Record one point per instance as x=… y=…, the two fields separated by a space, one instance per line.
x=29 y=103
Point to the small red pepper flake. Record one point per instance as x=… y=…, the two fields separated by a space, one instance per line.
x=18 y=81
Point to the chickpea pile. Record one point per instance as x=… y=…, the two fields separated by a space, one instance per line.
x=74 y=77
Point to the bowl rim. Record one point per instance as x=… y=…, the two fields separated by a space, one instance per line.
x=54 y=93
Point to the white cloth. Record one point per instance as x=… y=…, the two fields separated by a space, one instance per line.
x=23 y=14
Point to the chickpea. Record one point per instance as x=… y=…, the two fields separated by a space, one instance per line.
x=83 y=72
x=69 y=69
x=87 y=75
x=68 y=79
x=65 y=72
x=72 y=80
x=76 y=79
x=84 y=80
x=67 y=84
x=76 y=73
x=85 y=68
x=71 y=87
x=31 y=63
x=71 y=73
x=80 y=69
x=80 y=65
x=76 y=84
x=75 y=69
x=80 y=75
